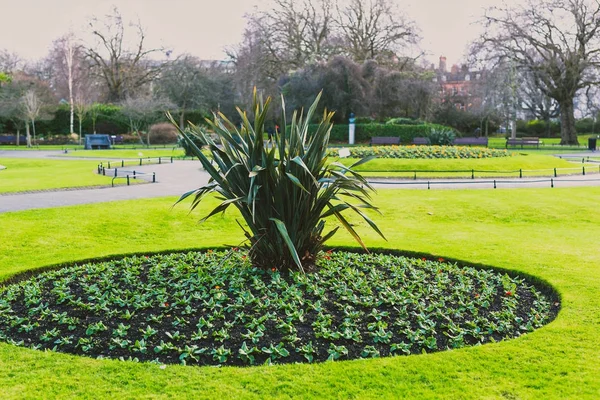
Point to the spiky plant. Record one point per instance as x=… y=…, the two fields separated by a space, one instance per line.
x=283 y=188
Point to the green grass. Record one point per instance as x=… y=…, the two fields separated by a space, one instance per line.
x=550 y=233
x=23 y=174
x=531 y=164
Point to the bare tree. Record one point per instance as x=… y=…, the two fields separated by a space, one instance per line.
x=556 y=41
x=66 y=58
x=295 y=32
x=10 y=62
x=187 y=84
x=536 y=102
x=25 y=100
x=124 y=71
x=32 y=106
x=142 y=112
x=374 y=29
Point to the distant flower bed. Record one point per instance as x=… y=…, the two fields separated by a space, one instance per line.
x=423 y=152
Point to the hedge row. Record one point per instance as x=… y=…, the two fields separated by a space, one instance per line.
x=364 y=132
x=110 y=121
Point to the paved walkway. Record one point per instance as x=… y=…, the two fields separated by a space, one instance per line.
x=182 y=176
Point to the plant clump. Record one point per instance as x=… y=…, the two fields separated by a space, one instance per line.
x=284 y=188
x=214 y=308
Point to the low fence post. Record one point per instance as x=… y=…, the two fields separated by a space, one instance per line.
x=551 y=182
x=159 y=160
x=415 y=177
x=133 y=174
x=116 y=172
x=171 y=159
x=154 y=177
x=140 y=161
x=109 y=165
x=555 y=172
x=520 y=172
x=428 y=187
x=472 y=174
x=494 y=184
x=122 y=163
x=127 y=180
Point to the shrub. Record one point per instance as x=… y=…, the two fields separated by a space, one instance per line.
x=162 y=133
x=404 y=121
x=283 y=191
x=587 y=125
x=441 y=137
x=364 y=132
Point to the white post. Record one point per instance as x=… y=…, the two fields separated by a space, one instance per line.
x=351 y=128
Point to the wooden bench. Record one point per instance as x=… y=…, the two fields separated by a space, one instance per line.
x=526 y=141
x=383 y=140
x=471 y=141
x=421 y=141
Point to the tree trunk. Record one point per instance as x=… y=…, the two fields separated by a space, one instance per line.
x=79 y=130
x=33 y=126
x=71 y=116
x=182 y=119
x=18 y=136
x=28 y=134
x=568 y=135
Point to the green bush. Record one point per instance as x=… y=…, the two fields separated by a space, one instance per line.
x=364 y=132
x=283 y=191
x=441 y=137
x=404 y=121
x=162 y=133
x=587 y=125
x=537 y=128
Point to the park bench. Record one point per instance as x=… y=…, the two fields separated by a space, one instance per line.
x=471 y=141
x=383 y=140
x=421 y=141
x=525 y=141
x=10 y=139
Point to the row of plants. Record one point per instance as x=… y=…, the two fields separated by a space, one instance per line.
x=423 y=152
x=215 y=308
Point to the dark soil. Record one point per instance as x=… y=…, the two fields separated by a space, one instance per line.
x=204 y=308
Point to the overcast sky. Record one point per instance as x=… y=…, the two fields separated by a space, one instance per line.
x=205 y=27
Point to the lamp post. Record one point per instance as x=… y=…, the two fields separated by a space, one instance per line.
x=351 y=128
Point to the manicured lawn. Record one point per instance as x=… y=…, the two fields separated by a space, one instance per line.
x=531 y=164
x=548 y=233
x=23 y=174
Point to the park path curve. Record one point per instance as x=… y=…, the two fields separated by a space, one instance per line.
x=184 y=175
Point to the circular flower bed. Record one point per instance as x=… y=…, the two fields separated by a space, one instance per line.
x=423 y=152
x=210 y=308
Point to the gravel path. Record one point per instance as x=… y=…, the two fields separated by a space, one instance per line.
x=182 y=176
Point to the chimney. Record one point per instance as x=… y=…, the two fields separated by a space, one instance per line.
x=454 y=69
x=442 y=64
